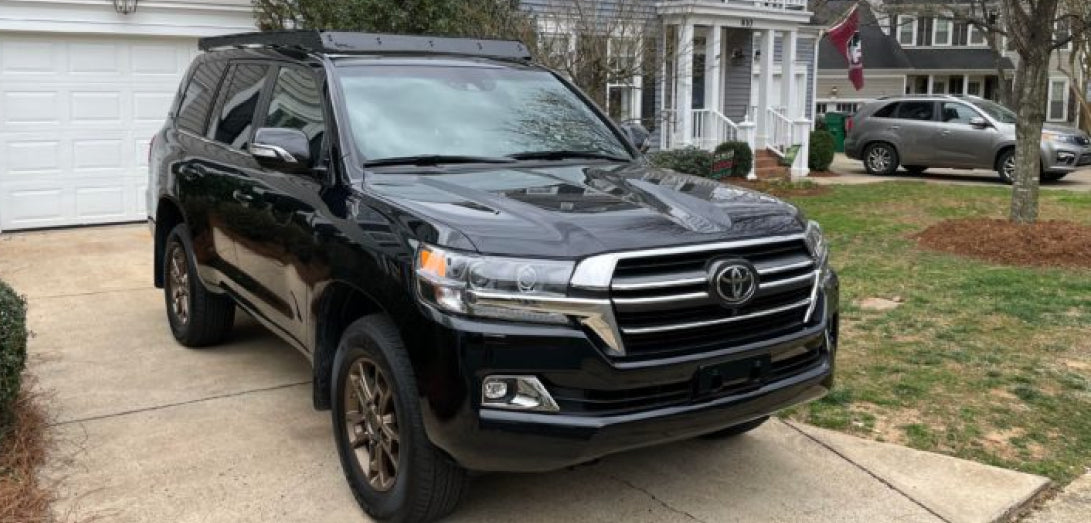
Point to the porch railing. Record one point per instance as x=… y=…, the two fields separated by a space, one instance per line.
x=780 y=131
x=711 y=128
x=783 y=5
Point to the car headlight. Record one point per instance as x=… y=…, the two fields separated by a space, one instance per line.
x=1059 y=138
x=493 y=287
x=816 y=242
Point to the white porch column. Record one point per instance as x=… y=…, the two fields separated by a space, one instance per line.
x=662 y=109
x=765 y=85
x=931 y=81
x=712 y=68
x=788 y=89
x=965 y=84
x=684 y=101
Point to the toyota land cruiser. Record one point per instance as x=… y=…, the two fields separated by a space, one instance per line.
x=483 y=270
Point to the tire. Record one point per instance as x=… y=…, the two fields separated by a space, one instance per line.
x=1005 y=166
x=1053 y=177
x=915 y=170
x=880 y=159
x=197 y=317
x=736 y=430
x=426 y=483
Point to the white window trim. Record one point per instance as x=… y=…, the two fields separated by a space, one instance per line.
x=935 y=31
x=973 y=30
x=1064 y=96
x=902 y=25
x=1056 y=27
x=636 y=83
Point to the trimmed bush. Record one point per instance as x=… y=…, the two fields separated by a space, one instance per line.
x=688 y=160
x=13 y=350
x=822 y=151
x=744 y=157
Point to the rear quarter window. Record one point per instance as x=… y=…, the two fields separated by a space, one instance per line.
x=197 y=99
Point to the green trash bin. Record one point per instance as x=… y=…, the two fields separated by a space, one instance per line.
x=835 y=124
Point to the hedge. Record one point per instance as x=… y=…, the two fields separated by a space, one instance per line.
x=688 y=160
x=744 y=157
x=13 y=350
x=822 y=151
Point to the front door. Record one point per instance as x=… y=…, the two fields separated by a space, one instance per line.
x=956 y=143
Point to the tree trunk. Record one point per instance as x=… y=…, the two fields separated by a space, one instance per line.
x=1033 y=82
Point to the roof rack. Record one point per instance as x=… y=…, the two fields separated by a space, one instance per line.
x=349 y=42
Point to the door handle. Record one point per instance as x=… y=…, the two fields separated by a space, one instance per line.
x=945 y=133
x=189 y=172
x=895 y=127
x=242 y=197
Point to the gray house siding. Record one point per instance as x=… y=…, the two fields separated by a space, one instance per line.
x=738 y=75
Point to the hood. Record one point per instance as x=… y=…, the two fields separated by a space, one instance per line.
x=573 y=211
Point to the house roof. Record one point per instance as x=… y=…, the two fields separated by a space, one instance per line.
x=882 y=51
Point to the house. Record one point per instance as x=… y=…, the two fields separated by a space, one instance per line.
x=84 y=84
x=907 y=53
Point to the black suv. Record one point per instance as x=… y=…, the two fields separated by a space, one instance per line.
x=483 y=270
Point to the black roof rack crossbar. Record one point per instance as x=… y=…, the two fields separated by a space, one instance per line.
x=349 y=42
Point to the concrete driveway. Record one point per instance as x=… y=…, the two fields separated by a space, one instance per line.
x=853 y=172
x=150 y=431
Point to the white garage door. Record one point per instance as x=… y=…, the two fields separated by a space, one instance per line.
x=76 y=115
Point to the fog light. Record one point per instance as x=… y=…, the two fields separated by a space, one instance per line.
x=516 y=393
x=1065 y=157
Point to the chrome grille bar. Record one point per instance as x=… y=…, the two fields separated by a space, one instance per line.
x=719 y=321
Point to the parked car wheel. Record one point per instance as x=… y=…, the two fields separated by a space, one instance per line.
x=1052 y=177
x=736 y=430
x=1005 y=166
x=393 y=470
x=880 y=158
x=915 y=169
x=198 y=317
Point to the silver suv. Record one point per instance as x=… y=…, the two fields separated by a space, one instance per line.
x=961 y=132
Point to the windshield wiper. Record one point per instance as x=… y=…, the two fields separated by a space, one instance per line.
x=563 y=155
x=435 y=159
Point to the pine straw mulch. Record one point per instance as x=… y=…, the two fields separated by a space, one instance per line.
x=823 y=174
x=1053 y=243
x=22 y=450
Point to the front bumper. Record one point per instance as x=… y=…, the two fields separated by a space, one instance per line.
x=651 y=408
x=1064 y=158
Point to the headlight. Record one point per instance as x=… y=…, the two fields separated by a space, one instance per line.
x=816 y=242
x=493 y=287
x=1058 y=137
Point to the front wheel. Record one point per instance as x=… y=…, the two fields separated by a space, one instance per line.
x=1005 y=166
x=394 y=472
x=1052 y=177
x=880 y=159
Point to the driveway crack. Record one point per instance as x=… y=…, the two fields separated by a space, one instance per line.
x=646 y=492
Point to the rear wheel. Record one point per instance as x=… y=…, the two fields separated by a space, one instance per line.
x=915 y=169
x=880 y=159
x=394 y=472
x=198 y=318
x=736 y=430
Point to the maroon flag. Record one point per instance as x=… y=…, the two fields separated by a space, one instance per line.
x=845 y=36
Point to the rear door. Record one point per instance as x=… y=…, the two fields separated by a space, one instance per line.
x=915 y=124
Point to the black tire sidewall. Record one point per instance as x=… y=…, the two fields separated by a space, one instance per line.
x=1000 y=166
x=893 y=167
x=361 y=340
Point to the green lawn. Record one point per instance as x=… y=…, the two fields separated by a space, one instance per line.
x=980 y=361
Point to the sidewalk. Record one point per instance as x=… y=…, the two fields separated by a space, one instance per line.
x=852 y=173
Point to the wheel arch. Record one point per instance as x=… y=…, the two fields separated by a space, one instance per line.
x=168 y=214
x=340 y=304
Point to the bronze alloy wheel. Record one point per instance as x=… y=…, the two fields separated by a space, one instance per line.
x=178 y=284
x=372 y=423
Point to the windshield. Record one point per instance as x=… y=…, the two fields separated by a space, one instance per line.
x=480 y=110
x=997 y=111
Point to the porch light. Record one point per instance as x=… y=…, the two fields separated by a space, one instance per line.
x=833 y=92
x=125 y=6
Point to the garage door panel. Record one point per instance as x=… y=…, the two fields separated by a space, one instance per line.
x=77 y=113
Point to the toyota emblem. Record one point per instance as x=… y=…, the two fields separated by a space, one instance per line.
x=734 y=282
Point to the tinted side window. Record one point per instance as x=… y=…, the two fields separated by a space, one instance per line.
x=234 y=126
x=887 y=111
x=297 y=104
x=916 y=110
x=198 y=98
x=954 y=112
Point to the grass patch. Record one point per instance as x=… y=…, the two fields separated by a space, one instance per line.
x=981 y=361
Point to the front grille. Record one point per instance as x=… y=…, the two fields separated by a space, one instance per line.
x=663 y=307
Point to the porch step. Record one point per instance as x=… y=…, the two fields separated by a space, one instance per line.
x=767 y=166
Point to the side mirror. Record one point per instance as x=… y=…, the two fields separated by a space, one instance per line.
x=636 y=134
x=281 y=149
x=978 y=122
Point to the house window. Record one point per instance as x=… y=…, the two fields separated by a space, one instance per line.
x=625 y=79
x=941 y=32
x=977 y=36
x=1061 y=32
x=974 y=88
x=1058 y=100
x=939 y=86
x=907 y=30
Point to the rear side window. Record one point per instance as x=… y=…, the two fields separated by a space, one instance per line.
x=916 y=110
x=297 y=104
x=198 y=98
x=235 y=123
x=886 y=111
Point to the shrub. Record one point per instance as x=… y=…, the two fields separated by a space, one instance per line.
x=13 y=350
x=822 y=151
x=688 y=160
x=744 y=157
